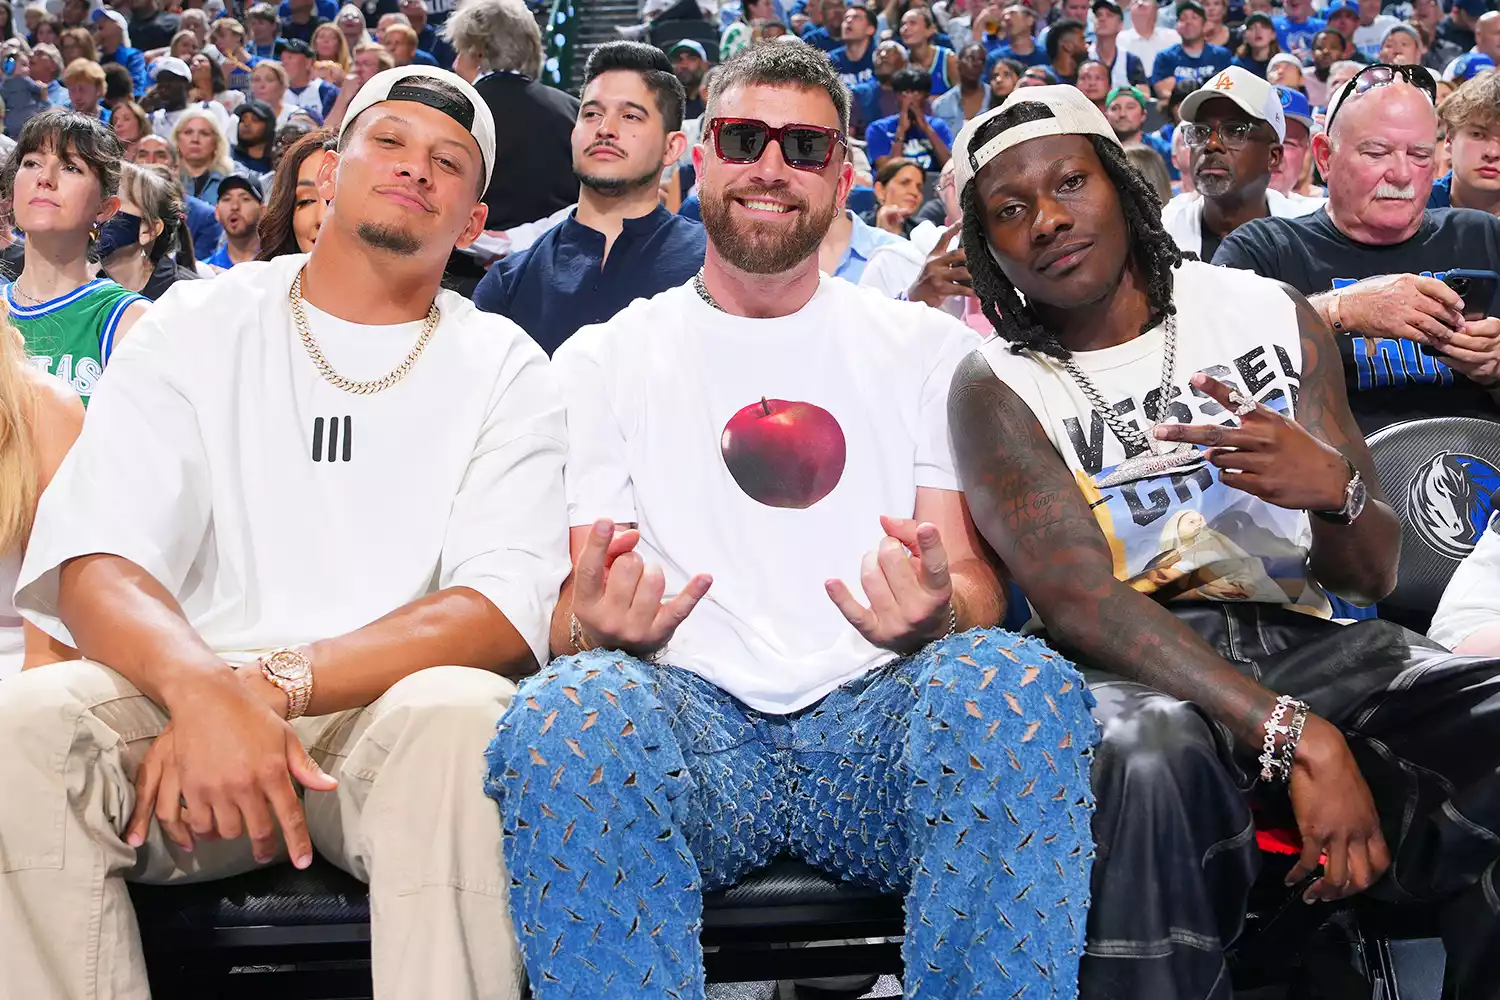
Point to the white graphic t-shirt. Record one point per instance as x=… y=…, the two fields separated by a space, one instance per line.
x=1184 y=535
x=762 y=452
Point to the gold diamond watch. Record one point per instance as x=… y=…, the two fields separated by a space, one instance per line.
x=290 y=668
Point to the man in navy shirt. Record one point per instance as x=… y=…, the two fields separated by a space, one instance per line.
x=1296 y=28
x=1019 y=25
x=1194 y=60
x=855 y=59
x=874 y=99
x=620 y=244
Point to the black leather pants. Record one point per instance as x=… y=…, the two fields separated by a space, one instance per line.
x=1175 y=838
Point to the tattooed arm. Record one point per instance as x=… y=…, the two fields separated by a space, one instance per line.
x=1029 y=509
x=1356 y=561
x=1027 y=506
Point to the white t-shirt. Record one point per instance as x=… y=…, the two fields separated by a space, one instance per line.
x=279 y=509
x=1472 y=600
x=12 y=638
x=1182 y=217
x=667 y=429
x=1186 y=535
x=1368 y=37
x=1146 y=48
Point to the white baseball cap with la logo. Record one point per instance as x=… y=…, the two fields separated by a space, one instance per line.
x=1254 y=96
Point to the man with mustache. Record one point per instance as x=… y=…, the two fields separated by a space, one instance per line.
x=737 y=445
x=620 y=243
x=1371 y=261
x=1234 y=127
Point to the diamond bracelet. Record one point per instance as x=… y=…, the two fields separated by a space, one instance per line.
x=1276 y=761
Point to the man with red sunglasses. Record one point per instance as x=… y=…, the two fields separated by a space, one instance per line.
x=721 y=695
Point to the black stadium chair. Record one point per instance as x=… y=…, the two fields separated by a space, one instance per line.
x=306 y=935
x=1442 y=476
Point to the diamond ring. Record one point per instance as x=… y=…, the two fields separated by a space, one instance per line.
x=1242 y=403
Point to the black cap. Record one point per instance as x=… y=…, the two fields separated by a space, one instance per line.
x=296 y=46
x=240 y=182
x=1109 y=5
x=1192 y=5
x=1260 y=16
x=256 y=107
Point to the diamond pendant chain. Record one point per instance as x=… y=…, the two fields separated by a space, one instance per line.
x=299 y=316
x=1126 y=433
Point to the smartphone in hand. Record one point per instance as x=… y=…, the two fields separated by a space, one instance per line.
x=1478 y=290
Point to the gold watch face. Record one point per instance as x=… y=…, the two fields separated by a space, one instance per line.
x=286 y=664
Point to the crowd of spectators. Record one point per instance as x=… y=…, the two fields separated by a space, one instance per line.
x=1030 y=194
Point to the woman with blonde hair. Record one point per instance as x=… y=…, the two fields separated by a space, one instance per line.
x=202 y=152
x=268 y=82
x=351 y=24
x=153 y=233
x=40 y=417
x=184 y=46
x=330 y=45
x=77 y=43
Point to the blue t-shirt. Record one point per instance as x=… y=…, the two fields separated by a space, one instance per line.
x=819 y=38
x=1256 y=66
x=870 y=103
x=326 y=9
x=1036 y=57
x=134 y=62
x=853 y=71
x=1297 y=38
x=1175 y=64
x=220 y=258
x=204 y=225
x=1442 y=192
x=563 y=281
x=880 y=137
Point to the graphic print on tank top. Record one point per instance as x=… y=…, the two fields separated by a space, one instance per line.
x=1187 y=535
x=784 y=453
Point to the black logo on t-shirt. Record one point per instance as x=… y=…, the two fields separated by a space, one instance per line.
x=340 y=439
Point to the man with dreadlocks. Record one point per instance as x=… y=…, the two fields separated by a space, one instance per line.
x=1192 y=584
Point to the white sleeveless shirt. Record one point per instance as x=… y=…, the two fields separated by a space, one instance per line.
x=1187 y=535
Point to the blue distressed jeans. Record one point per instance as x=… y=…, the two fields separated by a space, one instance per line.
x=958 y=776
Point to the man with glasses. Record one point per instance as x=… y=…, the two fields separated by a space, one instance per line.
x=1234 y=126
x=1372 y=261
x=737 y=446
x=620 y=242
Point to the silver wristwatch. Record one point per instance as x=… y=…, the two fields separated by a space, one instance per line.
x=1355 y=495
x=290 y=668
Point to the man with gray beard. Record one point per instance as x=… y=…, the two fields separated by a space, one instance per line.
x=1234 y=126
x=1372 y=261
x=619 y=244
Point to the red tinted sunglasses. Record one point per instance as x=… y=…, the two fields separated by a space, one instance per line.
x=743 y=140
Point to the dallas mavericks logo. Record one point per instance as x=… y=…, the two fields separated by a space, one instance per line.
x=1451 y=501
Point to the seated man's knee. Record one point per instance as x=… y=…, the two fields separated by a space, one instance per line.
x=995 y=677
x=51 y=699
x=459 y=701
x=1148 y=739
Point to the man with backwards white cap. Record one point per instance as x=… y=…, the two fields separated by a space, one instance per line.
x=1234 y=126
x=319 y=523
x=1191 y=585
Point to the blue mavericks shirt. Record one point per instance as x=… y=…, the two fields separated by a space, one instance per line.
x=563 y=281
x=1175 y=64
x=1389 y=379
x=880 y=139
x=853 y=71
x=1297 y=38
x=1442 y=192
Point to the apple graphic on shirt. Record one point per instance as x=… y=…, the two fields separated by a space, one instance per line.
x=784 y=453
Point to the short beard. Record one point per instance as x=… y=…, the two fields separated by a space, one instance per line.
x=747 y=247
x=389 y=238
x=1216 y=186
x=617 y=187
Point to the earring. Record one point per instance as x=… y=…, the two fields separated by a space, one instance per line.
x=94 y=233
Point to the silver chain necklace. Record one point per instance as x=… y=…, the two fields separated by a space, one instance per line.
x=703 y=293
x=299 y=315
x=1153 y=458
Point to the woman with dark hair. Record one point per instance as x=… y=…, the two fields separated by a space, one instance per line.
x=294 y=215
x=898 y=196
x=153 y=233
x=208 y=84
x=1259 y=46
x=62 y=183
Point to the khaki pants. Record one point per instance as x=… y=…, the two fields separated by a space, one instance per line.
x=409 y=817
